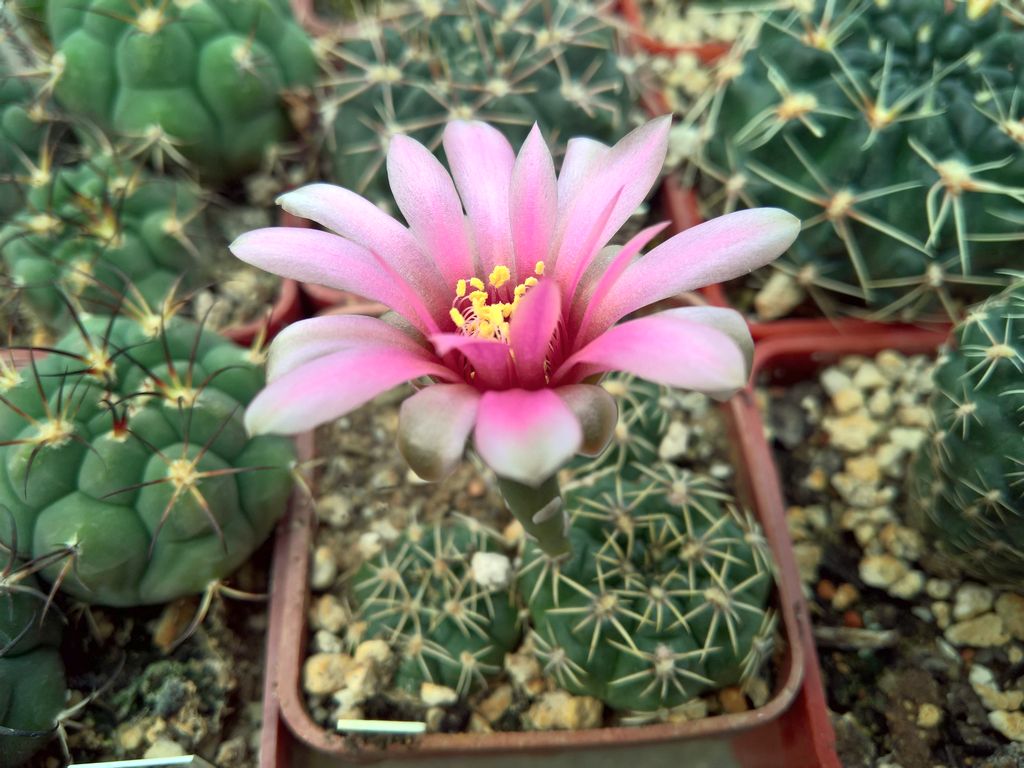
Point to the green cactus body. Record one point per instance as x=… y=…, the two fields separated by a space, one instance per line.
x=32 y=687
x=553 y=62
x=664 y=595
x=128 y=452
x=420 y=595
x=205 y=77
x=22 y=132
x=94 y=229
x=968 y=480
x=894 y=131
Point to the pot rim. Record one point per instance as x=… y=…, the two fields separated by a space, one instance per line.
x=288 y=633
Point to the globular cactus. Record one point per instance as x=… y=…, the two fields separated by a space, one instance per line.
x=204 y=81
x=23 y=123
x=94 y=231
x=125 y=448
x=664 y=595
x=894 y=131
x=423 y=63
x=968 y=479
x=32 y=686
x=449 y=626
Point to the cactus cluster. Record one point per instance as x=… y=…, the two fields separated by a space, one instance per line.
x=125 y=448
x=663 y=597
x=422 y=595
x=95 y=230
x=423 y=63
x=32 y=687
x=894 y=131
x=202 y=82
x=968 y=482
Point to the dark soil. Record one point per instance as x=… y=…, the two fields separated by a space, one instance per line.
x=204 y=694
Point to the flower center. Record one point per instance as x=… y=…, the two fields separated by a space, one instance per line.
x=483 y=310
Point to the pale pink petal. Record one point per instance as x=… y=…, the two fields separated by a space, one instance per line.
x=712 y=252
x=533 y=205
x=526 y=435
x=531 y=330
x=433 y=426
x=481 y=161
x=596 y=412
x=323 y=258
x=582 y=157
x=427 y=198
x=590 y=299
x=728 y=321
x=666 y=348
x=307 y=340
x=356 y=218
x=628 y=170
x=488 y=358
x=328 y=387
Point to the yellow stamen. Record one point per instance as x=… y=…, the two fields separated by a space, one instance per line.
x=499 y=276
x=460 y=288
x=539 y=268
x=477 y=283
x=457 y=317
x=530 y=282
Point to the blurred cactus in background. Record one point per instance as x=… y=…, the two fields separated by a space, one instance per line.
x=894 y=131
x=968 y=483
x=419 y=64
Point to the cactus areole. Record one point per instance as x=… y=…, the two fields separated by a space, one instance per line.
x=510 y=313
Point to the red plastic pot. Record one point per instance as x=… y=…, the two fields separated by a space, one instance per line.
x=792 y=729
x=707 y=53
x=684 y=211
x=286 y=310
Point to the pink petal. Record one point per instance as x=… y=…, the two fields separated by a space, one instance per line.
x=582 y=157
x=712 y=252
x=610 y=275
x=532 y=329
x=481 y=160
x=316 y=337
x=331 y=386
x=526 y=435
x=433 y=426
x=488 y=358
x=667 y=348
x=533 y=203
x=312 y=256
x=628 y=170
x=427 y=198
x=356 y=218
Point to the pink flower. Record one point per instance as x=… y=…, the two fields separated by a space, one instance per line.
x=505 y=296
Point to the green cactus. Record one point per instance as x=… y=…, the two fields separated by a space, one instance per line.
x=125 y=447
x=94 y=229
x=420 y=595
x=32 y=688
x=554 y=62
x=22 y=135
x=894 y=131
x=200 y=80
x=663 y=596
x=968 y=480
